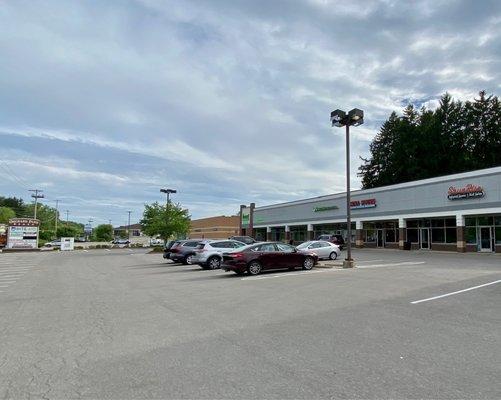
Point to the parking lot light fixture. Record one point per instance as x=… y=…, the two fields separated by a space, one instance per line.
x=168 y=192
x=339 y=118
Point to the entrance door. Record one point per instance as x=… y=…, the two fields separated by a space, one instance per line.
x=380 y=238
x=425 y=238
x=485 y=238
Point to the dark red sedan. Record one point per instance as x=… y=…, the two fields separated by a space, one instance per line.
x=264 y=256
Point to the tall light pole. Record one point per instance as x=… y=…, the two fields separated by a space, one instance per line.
x=37 y=194
x=168 y=192
x=67 y=214
x=339 y=118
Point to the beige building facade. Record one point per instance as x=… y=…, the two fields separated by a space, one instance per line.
x=220 y=227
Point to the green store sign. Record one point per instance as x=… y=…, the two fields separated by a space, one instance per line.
x=326 y=208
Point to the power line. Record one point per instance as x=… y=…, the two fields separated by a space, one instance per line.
x=36 y=196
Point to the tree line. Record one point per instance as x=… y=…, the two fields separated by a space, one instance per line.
x=421 y=143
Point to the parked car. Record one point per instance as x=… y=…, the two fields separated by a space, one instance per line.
x=55 y=244
x=336 y=239
x=81 y=239
x=269 y=255
x=209 y=253
x=121 y=242
x=156 y=242
x=167 y=248
x=183 y=251
x=323 y=249
x=243 y=239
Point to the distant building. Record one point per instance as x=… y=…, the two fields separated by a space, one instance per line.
x=220 y=227
x=135 y=230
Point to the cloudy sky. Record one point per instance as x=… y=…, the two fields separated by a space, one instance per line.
x=102 y=103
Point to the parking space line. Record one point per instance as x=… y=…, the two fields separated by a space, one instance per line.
x=285 y=275
x=399 y=264
x=457 y=292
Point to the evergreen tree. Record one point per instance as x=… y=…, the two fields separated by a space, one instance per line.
x=454 y=138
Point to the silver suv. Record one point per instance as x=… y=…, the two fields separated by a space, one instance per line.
x=209 y=253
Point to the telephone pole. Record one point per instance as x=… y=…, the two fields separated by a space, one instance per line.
x=57 y=216
x=128 y=226
x=67 y=213
x=36 y=195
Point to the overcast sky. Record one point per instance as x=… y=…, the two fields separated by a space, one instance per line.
x=102 y=103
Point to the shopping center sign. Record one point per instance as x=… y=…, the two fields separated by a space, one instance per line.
x=468 y=192
x=366 y=203
x=23 y=233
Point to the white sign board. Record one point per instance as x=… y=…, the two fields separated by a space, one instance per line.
x=22 y=237
x=67 y=244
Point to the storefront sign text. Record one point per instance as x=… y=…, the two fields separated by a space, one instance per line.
x=367 y=203
x=326 y=208
x=468 y=192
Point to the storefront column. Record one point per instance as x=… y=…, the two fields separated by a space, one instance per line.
x=310 y=234
x=460 y=233
x=287 y=233
x=359 y=236
x=268 y=233
x=402 y=233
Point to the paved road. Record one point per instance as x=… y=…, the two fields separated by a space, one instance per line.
x=124 y=324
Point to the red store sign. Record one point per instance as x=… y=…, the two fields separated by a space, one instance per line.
x=468 y=192
x=24 y=222
x=367 y=203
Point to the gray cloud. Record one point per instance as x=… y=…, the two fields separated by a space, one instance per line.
x=228 y=101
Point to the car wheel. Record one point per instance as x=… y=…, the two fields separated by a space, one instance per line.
x=254 y=268
x=333 y=256
x=308 y=263
x=214 y=263
x=189 y=259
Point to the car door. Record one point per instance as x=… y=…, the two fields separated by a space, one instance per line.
x=268 y=255
x=323 y=250
x=288 y=256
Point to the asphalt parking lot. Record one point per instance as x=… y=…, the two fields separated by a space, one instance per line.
x=126 y=324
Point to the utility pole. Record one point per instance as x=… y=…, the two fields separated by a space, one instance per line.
x=57 y=216
x=36 y=195
x=67 y=213
x=128 y=226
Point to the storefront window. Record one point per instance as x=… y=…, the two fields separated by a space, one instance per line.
x=450 y=222
x=498 y=234
x=438 y=235
x=485 y=221
x=437 y=223
x=471 y=235
x=370 y=235
x=471 y=221
x=412 y=235
x=391 y=237
x=412 y=223
x=450 y=235
x=497 y=221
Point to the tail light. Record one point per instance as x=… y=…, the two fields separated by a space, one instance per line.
x=237 y=255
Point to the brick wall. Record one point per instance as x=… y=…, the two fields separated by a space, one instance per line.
x=220 y=227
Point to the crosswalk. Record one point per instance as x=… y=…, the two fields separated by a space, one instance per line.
x=14 y=266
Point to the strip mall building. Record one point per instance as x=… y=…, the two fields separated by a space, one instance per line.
x=460 y=212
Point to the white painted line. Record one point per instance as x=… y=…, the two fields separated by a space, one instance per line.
x=457 y=292
x=400 y=264
x=364 y=261
x=14 y=269
x=285 y=275
x=10 y=276
x=4 y=285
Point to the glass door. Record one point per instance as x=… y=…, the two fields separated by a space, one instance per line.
x=380 y=238
x=485 y=238
x=425 y=238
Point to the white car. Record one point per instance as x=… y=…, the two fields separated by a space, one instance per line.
x=209 y=253
x=323 y=249
x=54 y=244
